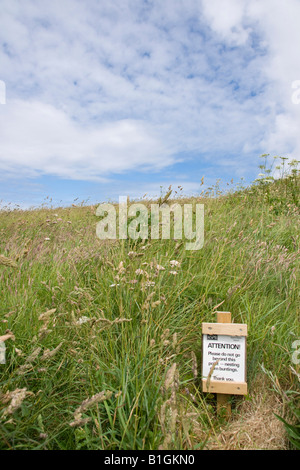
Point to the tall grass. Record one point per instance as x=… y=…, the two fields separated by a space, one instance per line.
x=105 y=350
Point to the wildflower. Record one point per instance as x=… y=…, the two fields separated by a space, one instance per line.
x=174 y=273
x=272 y=330
x=160 y=268
x=174 y=263
x=139 y=272
x=82 y=320
x=47 y=239
x=149 y=284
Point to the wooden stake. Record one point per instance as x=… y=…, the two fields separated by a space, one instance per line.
x=223 y=399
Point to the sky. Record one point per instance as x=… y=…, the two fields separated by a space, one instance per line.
x=100 y=99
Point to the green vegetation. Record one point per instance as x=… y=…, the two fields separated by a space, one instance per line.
x=103 y=338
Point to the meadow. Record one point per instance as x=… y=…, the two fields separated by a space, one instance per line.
x=103 y=337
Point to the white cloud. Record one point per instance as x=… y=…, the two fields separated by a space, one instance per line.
x=276 y=24
x=227 y=17
x=39 y=138
x=97 y=88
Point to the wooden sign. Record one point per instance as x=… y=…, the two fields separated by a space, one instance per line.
x=224 y=356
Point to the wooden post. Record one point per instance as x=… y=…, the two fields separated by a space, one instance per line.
x=223 y=399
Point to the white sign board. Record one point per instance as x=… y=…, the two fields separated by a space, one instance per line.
x=224 y=358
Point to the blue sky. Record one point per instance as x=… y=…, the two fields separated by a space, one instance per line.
x=123 y=97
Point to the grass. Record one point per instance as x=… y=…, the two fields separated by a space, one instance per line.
x=105 y=346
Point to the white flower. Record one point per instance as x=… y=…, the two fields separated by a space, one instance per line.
x=174 y=273
x=160 y=268
x=174 y=263
x=47 y=239
x=82 y=320
x=139 y=272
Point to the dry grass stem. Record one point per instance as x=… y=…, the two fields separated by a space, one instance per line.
x=86 y=404
x=16 y=398
x=4 y=261
x=8 y=335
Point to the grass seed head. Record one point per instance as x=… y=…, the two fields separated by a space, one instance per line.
x=16 y=398
x=4 y=261
x=170 y=377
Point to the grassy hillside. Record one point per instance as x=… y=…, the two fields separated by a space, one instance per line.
x=103 y=347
